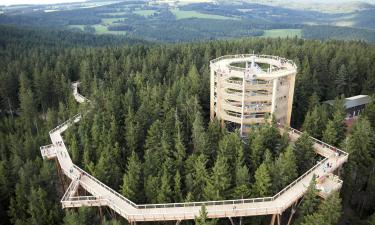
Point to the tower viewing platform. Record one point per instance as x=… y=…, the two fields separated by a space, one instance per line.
x=249 y=89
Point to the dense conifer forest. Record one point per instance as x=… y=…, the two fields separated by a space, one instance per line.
x=147 y=132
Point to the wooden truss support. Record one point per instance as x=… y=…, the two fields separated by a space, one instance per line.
x=100 y=214
x=231 y=220
x=274 y=218
x=292 y=212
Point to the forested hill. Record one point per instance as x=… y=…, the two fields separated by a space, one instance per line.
x=49 y=37
x=148 y=134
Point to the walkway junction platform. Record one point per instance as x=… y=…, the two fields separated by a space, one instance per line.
x=102 y=195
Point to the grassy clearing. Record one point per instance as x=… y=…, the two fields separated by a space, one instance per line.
x=144 y=13
x=110 y=21
x=100 y=29
x=116 y=32
x=114 y=13
x=274 y=33
x=179 y=14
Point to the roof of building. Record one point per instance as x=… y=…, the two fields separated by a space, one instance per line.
x=354 y=101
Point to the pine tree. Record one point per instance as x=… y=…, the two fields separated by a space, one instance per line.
x=203 y=219
x=261 y=187
x=177 y=190
x=219 y=181
x=195 y=81
x=153 y=150
x=338 y=119
x=83 y=216
x=230 y=146
x=199 y=135
x=131 y=186
x=165 y=192
x=310 y=124
x=180 y=152
x=341 y=80
x=27 y=106
x=329 y=212
x=152 y=187
x=313 y=101
x=132 y=131
x=310 y=201
x=196 y=177
x=40 y=209
x=107 y=171
x=241 y=176
x=285 y=169
x=214 y=135
x=304 y=153
x=330 y=134
x=74 y=149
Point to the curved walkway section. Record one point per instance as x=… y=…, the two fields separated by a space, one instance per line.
x=102 y=195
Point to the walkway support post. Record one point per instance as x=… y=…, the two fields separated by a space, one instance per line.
x=273 y=219
x=231 y=220
x=60 y=175
x=100 y=215
x=292 y=212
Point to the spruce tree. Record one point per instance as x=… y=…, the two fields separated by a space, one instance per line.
x=329 y=212
x=203 y=219
x=285 y=169
x=304 y=152
x=177 y=189
x=262 y=184
x=131 y=186
x=199 y=135
x=196 y=178
x=165 y=193
x=74 y=150
x=330 y=134
x=219 y=181
x=310 y=201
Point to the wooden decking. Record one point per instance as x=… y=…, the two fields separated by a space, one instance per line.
x=102 y=195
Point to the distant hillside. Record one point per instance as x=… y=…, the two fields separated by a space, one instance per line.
x=339 y=33
x=28 y=37
x=200 y=20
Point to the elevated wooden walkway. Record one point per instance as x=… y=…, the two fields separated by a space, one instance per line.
x=102 y=195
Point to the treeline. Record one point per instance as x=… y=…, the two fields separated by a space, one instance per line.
x=338 y=33
x=147 y=132
x=24 y=38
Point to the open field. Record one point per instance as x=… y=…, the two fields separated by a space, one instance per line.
x=274 y=33
x=114 y=14
x=194 y=14
x=144 y=13
x=110 y=21
x=100 y=29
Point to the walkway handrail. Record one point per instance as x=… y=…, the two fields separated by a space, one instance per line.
x=105 y=186
x=70 y=188
x=240 y=56
x=317 y=141
x=70 y=120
